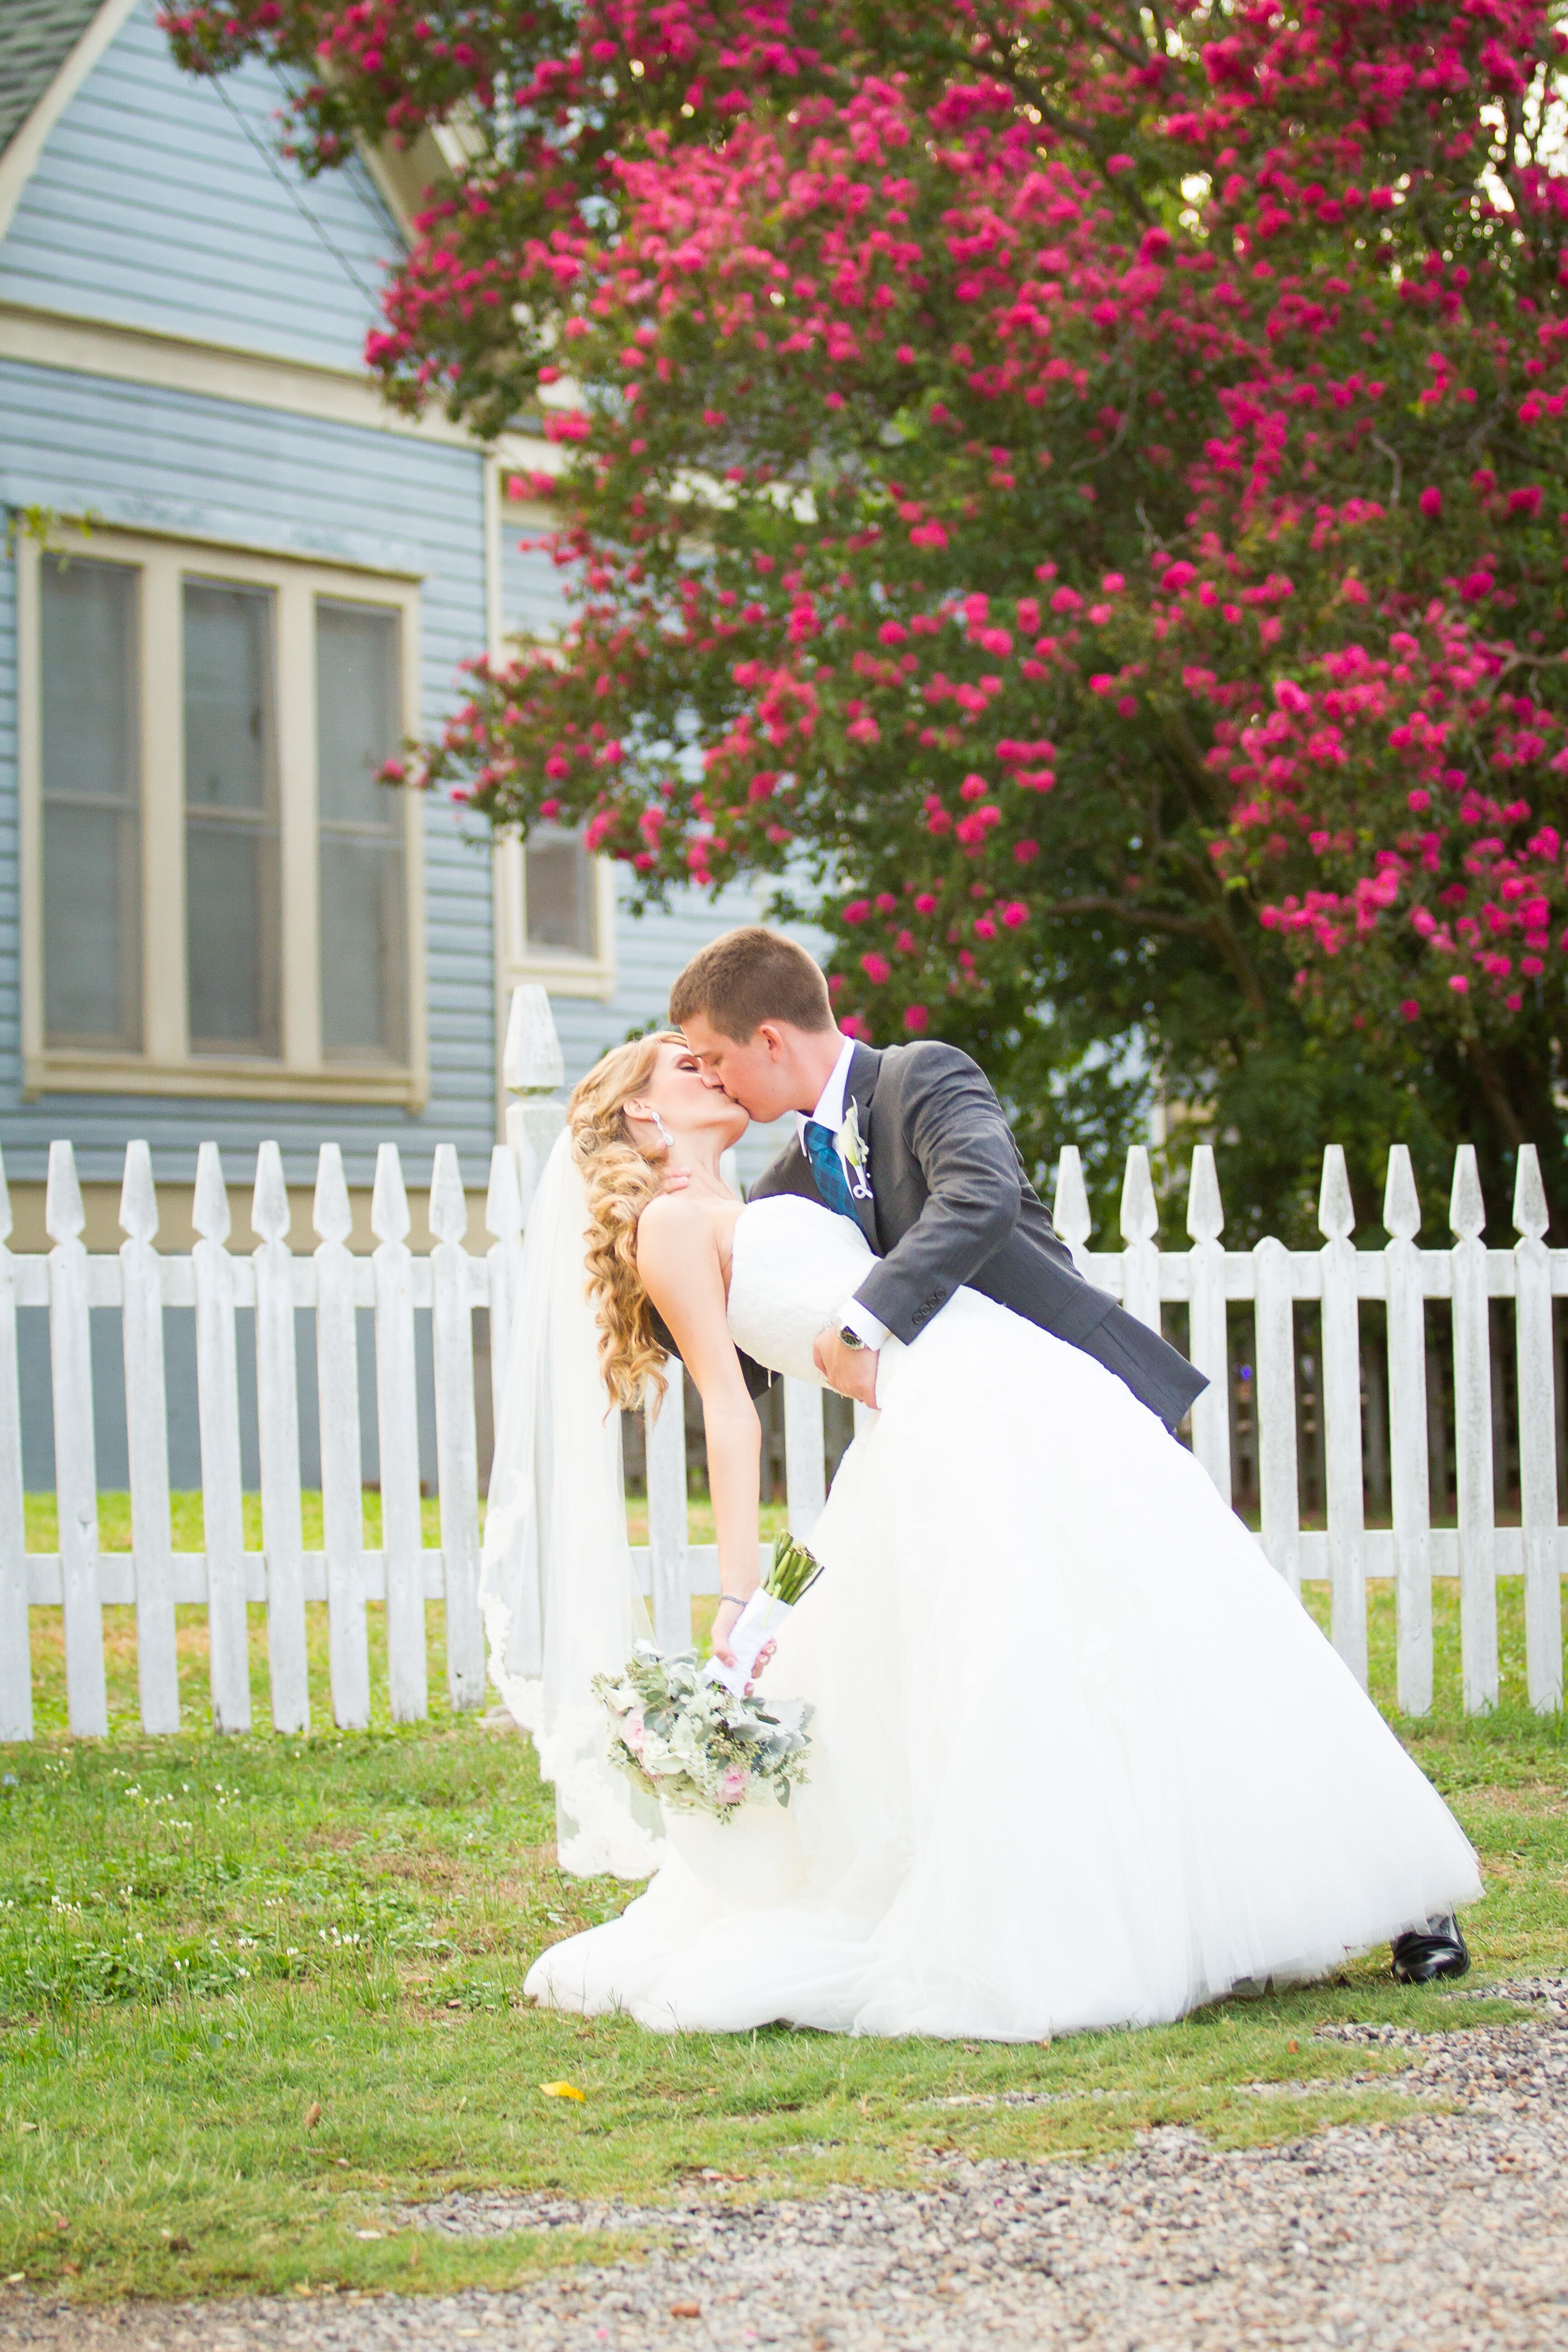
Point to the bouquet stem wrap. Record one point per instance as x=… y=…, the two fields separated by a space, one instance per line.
x=757 y=1624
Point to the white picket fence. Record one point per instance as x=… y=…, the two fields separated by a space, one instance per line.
x=452 y=1283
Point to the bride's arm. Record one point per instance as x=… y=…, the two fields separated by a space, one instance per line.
x=677 y=1258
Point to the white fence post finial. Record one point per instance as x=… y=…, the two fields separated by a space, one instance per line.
x=1139 y=1212
x=533 y=1068
x=1466 y=1209
x=1530 y=1212
x=1069 y=1211
x=448 y=1201
x=1537 y=1436
x=1336 y=1210
x=1205 y=1214
x=1401 y=1203
x=138 y=1195
x=209 y=1207
x=270 y=1212
x=389 y=1217
x=64 y=1215
x=331 y=1211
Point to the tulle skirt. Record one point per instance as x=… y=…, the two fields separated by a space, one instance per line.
x=1079 y=1758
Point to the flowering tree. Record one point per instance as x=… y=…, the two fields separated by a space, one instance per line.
x=1079 y=493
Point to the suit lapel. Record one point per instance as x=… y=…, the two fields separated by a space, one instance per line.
x=861 y=1085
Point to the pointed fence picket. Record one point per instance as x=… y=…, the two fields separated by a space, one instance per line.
x=278 y=1432
x=397 y=1439
x=16 y=1675
x=217 y=1406
x=147 y=1450
x=1298 y=1313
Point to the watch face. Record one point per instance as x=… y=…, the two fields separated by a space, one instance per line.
x=851 y=1338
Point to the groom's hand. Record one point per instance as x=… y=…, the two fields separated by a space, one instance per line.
x=851 y=1371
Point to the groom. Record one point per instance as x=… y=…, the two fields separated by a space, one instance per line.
x=911 y=1143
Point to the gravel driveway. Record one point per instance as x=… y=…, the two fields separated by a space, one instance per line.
x=1445 y=2234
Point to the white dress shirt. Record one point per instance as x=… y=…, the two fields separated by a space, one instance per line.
x=830 y=1112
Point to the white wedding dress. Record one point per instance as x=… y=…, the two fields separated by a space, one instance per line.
x=1078 y=1758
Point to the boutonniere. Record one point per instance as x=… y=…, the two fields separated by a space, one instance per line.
x=853 y=1145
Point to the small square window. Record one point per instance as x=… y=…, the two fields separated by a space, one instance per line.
x=561 y=892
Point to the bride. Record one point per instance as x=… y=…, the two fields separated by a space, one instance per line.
x=1078 y=1757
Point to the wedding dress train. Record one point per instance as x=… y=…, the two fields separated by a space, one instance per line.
x=1079 y=1758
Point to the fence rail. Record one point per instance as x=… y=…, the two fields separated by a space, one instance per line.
x=1278 y=1397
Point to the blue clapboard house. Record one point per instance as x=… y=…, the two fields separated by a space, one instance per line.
x=233 y=582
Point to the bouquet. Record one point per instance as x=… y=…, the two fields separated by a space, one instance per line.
x=693 y=1734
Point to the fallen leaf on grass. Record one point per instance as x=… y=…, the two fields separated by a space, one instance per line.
x=562 y=2091
x=312 y=2114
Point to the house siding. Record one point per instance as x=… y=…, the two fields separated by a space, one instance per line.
x=154 y=206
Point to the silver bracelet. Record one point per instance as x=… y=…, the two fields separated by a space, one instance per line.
x=734 y=1600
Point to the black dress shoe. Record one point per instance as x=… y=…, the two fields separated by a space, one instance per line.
x=1439 y=1949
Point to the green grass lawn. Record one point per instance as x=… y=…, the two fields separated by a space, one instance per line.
x=255 y=1993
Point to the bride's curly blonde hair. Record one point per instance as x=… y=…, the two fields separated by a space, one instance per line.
x=621 y=1179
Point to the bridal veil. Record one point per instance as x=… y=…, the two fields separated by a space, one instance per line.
x=556 y=1586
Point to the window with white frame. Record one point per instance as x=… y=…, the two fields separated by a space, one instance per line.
x=557 y=913
x=220 y=895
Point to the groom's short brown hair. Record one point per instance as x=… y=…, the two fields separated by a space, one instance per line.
x=749 y=976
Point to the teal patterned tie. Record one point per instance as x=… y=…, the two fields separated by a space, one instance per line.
x=828 y=1168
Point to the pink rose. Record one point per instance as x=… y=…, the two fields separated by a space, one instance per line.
x=733 y=1785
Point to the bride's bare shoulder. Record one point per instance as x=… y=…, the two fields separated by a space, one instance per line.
x=675 y=1222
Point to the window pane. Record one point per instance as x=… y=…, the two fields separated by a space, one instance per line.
x=365 y=982
x=560 y=892
x=228 y=696
x=232 y=911
x=358 y=705
x=364 y=977
x=231 y=930
x=91 y=789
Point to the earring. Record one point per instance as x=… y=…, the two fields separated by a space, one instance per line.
x=666 y=1139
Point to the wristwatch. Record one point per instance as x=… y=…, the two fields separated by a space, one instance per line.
x=851 y=1338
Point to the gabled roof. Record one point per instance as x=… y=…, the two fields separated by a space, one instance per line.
x=37 y=36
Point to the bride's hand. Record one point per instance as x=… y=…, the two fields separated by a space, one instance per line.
x=723 y=1626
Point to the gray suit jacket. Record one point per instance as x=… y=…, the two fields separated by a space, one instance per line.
x=953 y=1205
